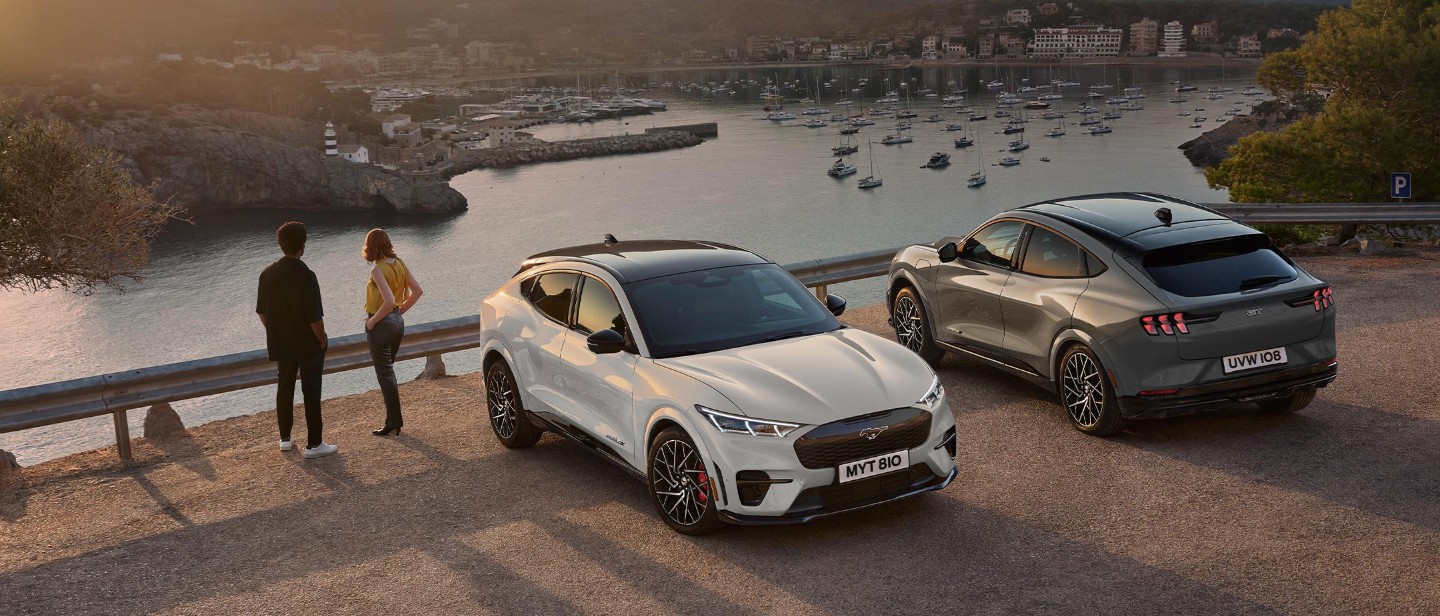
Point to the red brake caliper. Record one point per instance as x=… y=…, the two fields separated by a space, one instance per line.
x=702 y=481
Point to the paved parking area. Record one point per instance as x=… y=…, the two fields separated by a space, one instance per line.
x=1335 y=510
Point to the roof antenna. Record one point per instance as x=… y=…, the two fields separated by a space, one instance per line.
x=1164 y=215
x=610 y=240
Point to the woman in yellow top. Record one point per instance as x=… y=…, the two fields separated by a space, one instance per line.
x=391 y=292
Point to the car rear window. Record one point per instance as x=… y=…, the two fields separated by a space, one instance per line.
x=1220 y=266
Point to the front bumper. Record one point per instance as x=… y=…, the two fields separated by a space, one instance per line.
x=798 y=493
x=1207 y=396
x=812 y=503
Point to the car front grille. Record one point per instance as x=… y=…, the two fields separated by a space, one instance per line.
x=847 y=440
x=842 y=496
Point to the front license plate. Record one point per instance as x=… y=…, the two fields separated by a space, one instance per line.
x=1255 y=359
x=870 y=467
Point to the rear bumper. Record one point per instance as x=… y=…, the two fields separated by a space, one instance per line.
x=801 y=513
x=1207 y=396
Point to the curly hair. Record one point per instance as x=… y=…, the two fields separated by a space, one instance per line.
x=377 y=246
x=291 y=237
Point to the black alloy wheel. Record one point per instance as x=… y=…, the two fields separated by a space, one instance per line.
x=912 y=329
x=508 y=418
x=1086 y=393
x=680 y=484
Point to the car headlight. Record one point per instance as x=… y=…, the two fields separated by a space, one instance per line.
x=734 y=424
x=933 y=395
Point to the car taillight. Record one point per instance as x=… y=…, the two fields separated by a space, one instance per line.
x=1323 y=298
x=1168 y=324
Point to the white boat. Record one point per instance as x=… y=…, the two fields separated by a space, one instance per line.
x=976 y=117
x=862 y=122
x=896 y=139
x=1110 y=115
x=1051 y=115
x=1058 y=131
x=1099 y=130
x=844 y=103
x=780 y=116
x=1086 y=109
x=872 y=180
x=1253 y=91
x=1130 y=107
x=1118 y=100
x=935 y=118
x=899 y=126
x=815 y=111
x=840 y=169
x=1089 y=120
x=1185 y=113
x=977 y=179
x=1009 y=161
x=814 y=123
x=1016 y=146
x=953 y=127
x=1220 y=89
x=937 y=160
x=1134 y=92
x=995 y=84
x=1050 y=97
x=1214 y=97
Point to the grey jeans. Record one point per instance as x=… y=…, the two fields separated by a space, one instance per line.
x=384 y=346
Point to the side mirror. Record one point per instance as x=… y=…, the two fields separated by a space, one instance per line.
x=835 y=304
x=949 y=252
x=606 y=341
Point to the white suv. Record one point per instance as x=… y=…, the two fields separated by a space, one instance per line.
x=711 y=373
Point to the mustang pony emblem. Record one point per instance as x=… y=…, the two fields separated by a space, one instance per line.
x=871 y=433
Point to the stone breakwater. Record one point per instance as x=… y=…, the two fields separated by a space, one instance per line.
x=544 y=152
x=204 y=160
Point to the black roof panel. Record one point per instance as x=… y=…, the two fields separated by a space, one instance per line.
x=1123 y=213
x=630 y=261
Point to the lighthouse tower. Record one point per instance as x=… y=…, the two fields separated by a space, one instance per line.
x=330 y=148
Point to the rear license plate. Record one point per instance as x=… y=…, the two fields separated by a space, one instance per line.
x=870 y=467
x=1255 y=359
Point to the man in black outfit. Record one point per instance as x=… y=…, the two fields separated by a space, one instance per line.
x=289 y=308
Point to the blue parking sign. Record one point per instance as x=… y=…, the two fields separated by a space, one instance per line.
x=1400 y=186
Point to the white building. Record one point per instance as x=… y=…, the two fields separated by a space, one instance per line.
x=355 y=153
x=1076 y=42
x=389 y=124
x=1144 y=37
x=1018 y=16
x=1248 y=46
x=1172 y=42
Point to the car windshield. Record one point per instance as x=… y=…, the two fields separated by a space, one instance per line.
x=1217 y=267
x=723 y=308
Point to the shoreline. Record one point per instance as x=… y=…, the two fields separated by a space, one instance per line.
x=1146 y=61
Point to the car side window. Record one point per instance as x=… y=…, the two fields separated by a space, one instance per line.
x=1052 y=255
x=598 y=309
x=551 y=294
x=994 y=244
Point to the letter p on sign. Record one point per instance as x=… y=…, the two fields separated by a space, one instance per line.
x=1400 y=186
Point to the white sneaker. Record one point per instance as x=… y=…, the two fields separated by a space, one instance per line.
x=320 y=451
x=287 y=445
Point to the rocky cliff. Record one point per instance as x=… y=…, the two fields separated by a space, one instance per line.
x=1213 y=145
x=215 y=160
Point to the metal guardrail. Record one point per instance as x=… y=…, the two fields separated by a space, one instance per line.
x=119 y=392
x=1330 y=213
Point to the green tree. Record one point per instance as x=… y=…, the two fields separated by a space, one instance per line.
x=1377 y=65
x=70 y=217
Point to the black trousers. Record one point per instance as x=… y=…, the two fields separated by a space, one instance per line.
x=309 y=369
x=384 y=341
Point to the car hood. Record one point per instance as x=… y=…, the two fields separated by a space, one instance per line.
x=812 y=380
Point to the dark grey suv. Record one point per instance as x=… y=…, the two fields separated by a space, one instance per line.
x=1127 y=305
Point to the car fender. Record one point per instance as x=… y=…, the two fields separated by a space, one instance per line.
x=690 y=423
x=1069 y=335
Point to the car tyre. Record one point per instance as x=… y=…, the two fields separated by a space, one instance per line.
x=1288 y=404
x=912 y=327
x=680 y=485
x=1087 y=395
x=508 y=417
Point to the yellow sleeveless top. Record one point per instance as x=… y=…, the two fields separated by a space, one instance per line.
x=397 y=276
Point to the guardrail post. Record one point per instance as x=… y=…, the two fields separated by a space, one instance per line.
x=434 y=368
x=122 y=434
x=821 y=290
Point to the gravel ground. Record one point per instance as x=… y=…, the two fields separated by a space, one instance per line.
x=1335 y=510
